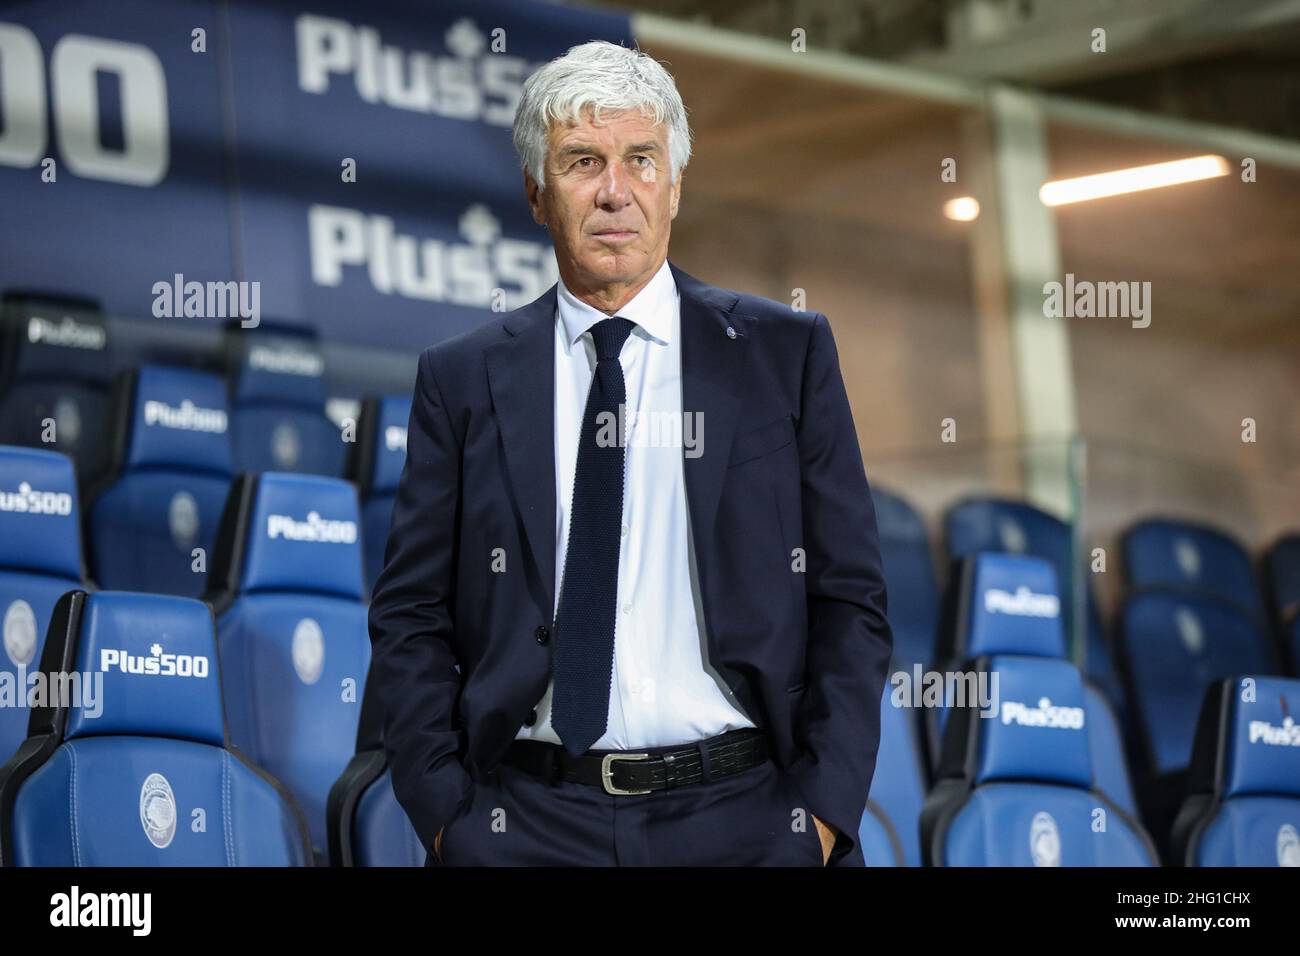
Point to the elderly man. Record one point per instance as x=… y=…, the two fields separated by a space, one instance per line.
x=632 y=610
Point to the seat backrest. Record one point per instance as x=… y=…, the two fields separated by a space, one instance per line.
x=127 y=762
x=1174 y=645
x=1106 y=744
x=40 y=559
x=1015 y=527
x=879 y=839
x=1169 y=554
x=292 y=629
x=995 y=603
x=60 y=367
x=909 y=578
x=376 y=468
x=1243 y=803
x=901 y=778
x=1291 y=642
x=1015 y=783
x=1008 y=604
x=367 y=826
x=278 y=402
x=1283 y=574
x=1003 y=604
x=168 y=482
x=1282 y=578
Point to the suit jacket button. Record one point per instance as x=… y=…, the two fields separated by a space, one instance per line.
x=543 y=633
x=531 y=718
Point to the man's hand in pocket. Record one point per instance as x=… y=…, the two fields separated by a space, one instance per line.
x=828 y=834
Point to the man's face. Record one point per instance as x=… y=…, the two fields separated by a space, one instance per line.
x=609 y=201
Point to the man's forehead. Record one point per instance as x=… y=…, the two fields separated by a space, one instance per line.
x=623 y=124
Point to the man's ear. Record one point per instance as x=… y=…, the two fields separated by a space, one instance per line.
x=534 y=194
x=677 y=196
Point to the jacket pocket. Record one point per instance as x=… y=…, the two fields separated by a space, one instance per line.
x=761 y=440
x=461 y=812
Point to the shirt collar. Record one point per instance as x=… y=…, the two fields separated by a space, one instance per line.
x=652 y=308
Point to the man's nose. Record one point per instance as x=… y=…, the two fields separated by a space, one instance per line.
x=615 y=187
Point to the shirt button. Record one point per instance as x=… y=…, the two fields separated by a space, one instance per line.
x=625 y=530
x=543 y=634
x=627 y=608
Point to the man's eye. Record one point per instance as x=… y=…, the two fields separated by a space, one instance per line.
x=585 y=159
x=642 y=159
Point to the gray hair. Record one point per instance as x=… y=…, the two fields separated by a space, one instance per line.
x=602 y=76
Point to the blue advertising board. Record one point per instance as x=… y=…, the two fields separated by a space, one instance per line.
x=355 y=161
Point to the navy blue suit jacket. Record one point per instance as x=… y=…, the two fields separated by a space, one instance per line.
x=804 y=651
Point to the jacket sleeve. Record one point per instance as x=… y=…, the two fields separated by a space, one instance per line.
x=849 y=639
x=412 y=645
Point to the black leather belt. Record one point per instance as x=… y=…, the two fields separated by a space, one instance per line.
x=633 y=771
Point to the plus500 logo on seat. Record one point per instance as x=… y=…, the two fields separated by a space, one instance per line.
x=314 y=529
x=156 y=664
x=1043 y=715
x=186 y=417
x=28 y=501
x=1023 y=603
x=1286 y=735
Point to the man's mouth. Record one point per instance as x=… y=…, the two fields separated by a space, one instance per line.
x=615 y=234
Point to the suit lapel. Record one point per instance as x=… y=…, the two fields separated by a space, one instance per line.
x=521 y=378
x=713 y=364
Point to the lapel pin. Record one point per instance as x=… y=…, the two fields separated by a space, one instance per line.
x=731 y=332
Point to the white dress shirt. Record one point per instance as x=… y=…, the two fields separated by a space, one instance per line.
x=663 y=690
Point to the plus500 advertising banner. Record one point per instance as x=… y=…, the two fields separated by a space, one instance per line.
x=353 y=160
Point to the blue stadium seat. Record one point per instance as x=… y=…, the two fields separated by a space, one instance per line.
x=40 y=560
x=1282 y=566
x=1243 y=804
x=1282 y=577
x=367 y=826
x=60 y=366
x=1015 y=788
x=1009 y=604
x=168 y=482
x=995 y=603
x=382 y=834
x=879 y=840
x=1006 y=604
x=380 y=453
x=293 y=635
x=909 y=579
x=899 y=784
x=136 y=771
x=1174 y=645
x=1291 y=640
x=278 y=399
x=1160 y=553
x=1014 y=527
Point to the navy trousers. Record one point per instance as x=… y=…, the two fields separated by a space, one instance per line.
x=751 y=818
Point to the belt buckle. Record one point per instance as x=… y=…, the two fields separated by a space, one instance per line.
x=607 y=773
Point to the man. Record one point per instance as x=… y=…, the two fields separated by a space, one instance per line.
x=595 y=645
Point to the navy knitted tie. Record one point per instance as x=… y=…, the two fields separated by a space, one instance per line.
x=584 y=625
